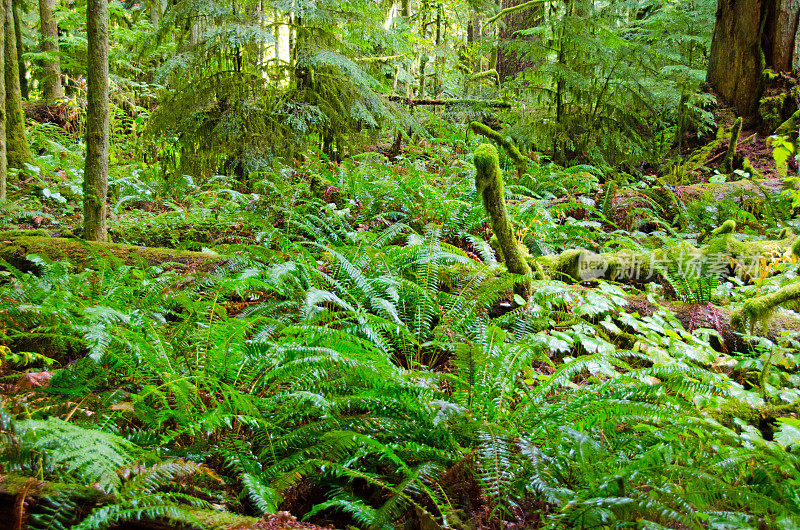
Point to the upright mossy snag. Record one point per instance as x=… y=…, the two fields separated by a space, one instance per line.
x=727 y=162
x=489 y=183
x=17 y=149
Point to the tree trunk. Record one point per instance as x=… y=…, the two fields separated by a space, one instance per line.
x=17 y=149
x=155 y=12
x=509 y=63
x=3 y=172
x=750 y=36
x=23 y=71
x=781 y=35
x=51 y=82
x=95 y=183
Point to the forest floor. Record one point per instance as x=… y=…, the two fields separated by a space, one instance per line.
x=353 y=353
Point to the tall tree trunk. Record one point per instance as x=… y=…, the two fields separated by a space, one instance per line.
x=155 y=12
x=423 y=58
x=95 y=183
x=3 y=172
x=439 y=61
x=17 y=149
x=23 y=70
x=51 y=82
x=509 y=62
x=781 y=34
x=749 y=36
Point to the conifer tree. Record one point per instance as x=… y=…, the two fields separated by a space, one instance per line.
x=51 y=82
x=17 y=149
x=3 y=171
x=95 y=184
x=23 y=70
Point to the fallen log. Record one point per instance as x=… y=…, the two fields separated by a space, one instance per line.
x=17 y=245
x=498 y=104
x=723 y=255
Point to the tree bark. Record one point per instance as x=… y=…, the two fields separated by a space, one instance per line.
x=509 y=62
x=17 y=149
x=3 y=171
x=155 y=12
x=781 y=34
x=51 y=82
x=23 y=70
x=750 y=36
x=95 y=183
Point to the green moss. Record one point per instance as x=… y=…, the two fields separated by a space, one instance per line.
x=728 y=227
x=489 y=184
x=789 y=127
x=326 y=190
x=14 y=250
x=17 y=232
x=796 y=247
x=699 y=157
x=12 y=484
x=520 y=161
x=760 y=309
x=747 y=165
x=222 y=520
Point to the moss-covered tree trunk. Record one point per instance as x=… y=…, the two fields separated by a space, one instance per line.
x=51 y=81
x=155 y=12
x=23 y=70
x=95 y=183
x=489 y=184
x=3 y=172
x=17 y=149
x=749 y=36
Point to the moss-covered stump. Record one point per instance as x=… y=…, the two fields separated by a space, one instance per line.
x=18 y=492
x=16 y=245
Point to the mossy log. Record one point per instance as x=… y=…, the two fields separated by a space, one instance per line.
x=16 y=245
x=18 y=491
x=520 y=161
x=724 y=254
x=489 y=184
x=762 y=308
x=497 y=104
